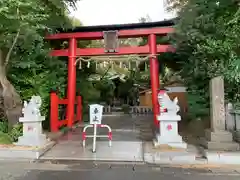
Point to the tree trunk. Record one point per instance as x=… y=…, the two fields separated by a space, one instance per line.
x=11 y=100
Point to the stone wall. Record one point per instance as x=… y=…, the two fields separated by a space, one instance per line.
x=233 y=121
x=232 y=118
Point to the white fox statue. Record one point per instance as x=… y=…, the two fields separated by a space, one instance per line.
x=165 y=102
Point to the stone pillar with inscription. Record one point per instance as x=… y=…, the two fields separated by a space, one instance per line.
x=217 y=138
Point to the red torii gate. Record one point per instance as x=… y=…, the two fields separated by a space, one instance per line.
x=150 y=30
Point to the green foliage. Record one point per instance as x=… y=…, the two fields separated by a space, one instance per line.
x=9 y=135
x=25 y=52
x=3 y=126
x=106 y=88
x=15 y=132
x=197 y=105
x=128 y=90
x=5 y=138
x=207 y=39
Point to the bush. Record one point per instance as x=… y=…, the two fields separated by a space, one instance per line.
x=7 y=135
x=198 y=107
x=16 y=132
x=3 y=126
x=5 y=138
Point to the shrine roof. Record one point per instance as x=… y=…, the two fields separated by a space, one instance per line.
x=164 y=23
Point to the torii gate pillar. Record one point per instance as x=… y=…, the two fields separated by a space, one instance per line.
x=71 y=87
x=154 y=74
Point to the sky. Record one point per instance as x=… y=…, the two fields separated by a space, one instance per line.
x=106 y=12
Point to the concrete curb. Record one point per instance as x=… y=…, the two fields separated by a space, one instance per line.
x=24 y=152
x=221 y=157
x=213 y=160
x=229 y=158
x=171 y=158
x=219 y=168
x=31 y=153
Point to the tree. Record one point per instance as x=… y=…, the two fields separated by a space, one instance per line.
x=207 y=39
x=22 y=29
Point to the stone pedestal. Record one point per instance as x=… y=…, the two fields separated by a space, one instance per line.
x=168 y=122
x=219 y=141
x=217 y=138
x=32 y=133
x=32 y=124
x=168 y=132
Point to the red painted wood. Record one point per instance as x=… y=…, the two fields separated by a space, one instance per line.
x=154 y=75
x=63 y=101
x=54 y=112
x=121 y=33
x=122 y=51
x=62 y=122
x=79 y=108
x=71 y=91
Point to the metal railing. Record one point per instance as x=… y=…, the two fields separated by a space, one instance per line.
x=133 y=110
x=94 y=136
x=140 y=110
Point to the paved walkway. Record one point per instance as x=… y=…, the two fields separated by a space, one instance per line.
x=132 y=142
x=128 y=135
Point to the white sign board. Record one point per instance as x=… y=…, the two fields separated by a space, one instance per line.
x=95 y=113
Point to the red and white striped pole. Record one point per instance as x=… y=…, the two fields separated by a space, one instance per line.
x=85 y=136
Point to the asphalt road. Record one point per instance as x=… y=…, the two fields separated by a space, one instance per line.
x=48 y=171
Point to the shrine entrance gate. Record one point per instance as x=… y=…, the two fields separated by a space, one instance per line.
x=110 y=34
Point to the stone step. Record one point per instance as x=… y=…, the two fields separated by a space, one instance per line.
x=143 y=124
x=165 y=154
x=145 y=132
x=219 y=136
x=143 y=127
x=145 y=135
x=219 y=146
